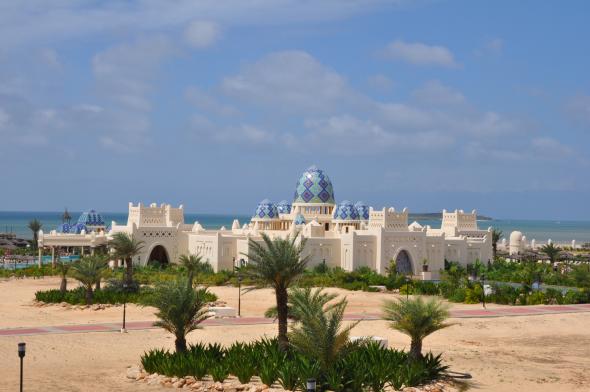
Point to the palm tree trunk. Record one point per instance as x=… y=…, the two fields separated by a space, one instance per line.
x=494 y=250
x=63 y=286
x=190 y=278
x=416 y=349
x=89 y=295
x=180 y=344
x=282 y=314
x=129 y=271
x=97 y=287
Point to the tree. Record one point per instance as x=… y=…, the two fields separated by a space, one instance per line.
x=126 y=247
x=496 y=235
x=319 y=333
x=417 y=319
x=35 y=226
x=551 y=251
x=277 y=263
x=181 y=309
x=63 y=269
x=194 y=265
x=88 y=271
x=303 y=298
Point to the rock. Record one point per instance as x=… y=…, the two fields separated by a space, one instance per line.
x=140 y=376
x=261 y=387
x=218 y=386
x=179 y=383
x=133 y=372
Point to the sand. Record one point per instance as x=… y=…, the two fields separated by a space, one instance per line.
x=541 y=353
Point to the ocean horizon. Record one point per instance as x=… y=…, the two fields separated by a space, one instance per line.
x=540 y=230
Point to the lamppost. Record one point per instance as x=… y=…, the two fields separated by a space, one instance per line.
x=311 y=385
x=125 y=287
x=408 y=280
x=21 y=354
x=483 y=289
x=238 y=270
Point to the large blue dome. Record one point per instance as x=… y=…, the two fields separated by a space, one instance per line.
x=266 y=210
x=314 y=186
x=362 y=209
x=72 y=228
x=346 y=211
x=91 y=218
x=284 y=207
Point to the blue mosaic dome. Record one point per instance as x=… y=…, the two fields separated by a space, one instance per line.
x=65 y=228
x=91 y=218
x=299 y=219
x=362 y=209
x=314 y=186
x=266 y=210
x=284 y=207
x=72 y=229
x=346 y=211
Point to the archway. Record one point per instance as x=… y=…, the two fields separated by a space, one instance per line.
x=158 y=255
x=403 y=263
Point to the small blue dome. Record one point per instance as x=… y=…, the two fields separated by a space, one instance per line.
x=284 y=207
x=91 y=218
x=79 y=227
x=314 y=186
x=266 y=210
x=346 y=211
x=362 y=209
x=65 y=228
x=299 y=219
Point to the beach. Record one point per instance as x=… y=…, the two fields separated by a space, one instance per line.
x=549 y=352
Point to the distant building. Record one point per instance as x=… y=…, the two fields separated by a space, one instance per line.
x=347 y=235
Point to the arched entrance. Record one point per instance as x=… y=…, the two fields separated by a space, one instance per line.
x=158 y=255
x=403 y=263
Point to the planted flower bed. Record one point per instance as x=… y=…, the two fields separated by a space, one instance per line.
x=362 y=366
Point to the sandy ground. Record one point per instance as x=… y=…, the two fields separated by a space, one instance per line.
x=526 y=353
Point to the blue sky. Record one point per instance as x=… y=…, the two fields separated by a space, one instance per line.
x=220 y=104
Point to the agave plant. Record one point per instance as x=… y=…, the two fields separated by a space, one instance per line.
x=277 y=263
x=417 y=319
x=181 y=309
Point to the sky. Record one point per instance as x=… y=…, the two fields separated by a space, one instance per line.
x=216 y=105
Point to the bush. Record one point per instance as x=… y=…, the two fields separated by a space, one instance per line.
x=364 y=366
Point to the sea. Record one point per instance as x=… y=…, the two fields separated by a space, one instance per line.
x=540 y=230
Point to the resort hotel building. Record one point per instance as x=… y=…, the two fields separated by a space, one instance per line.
x=345 y=234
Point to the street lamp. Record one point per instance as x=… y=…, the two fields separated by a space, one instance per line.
x=21 y=354
x=483 y=289
x=238 y=270
x=125 y=287
x=311 y=385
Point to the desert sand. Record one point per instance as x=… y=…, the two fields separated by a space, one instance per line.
x=525 y=353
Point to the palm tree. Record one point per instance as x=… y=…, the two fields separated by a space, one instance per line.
x=88 y=271
x=194 y=265
x=35 y=226
x=551 y=251
x=105 y=262
x=277 y=263
x=126 y=247
x=496 y=235
x=319 y=333
x=63 y=269
x=303 y=298
x=180 y=309
x=417 y=319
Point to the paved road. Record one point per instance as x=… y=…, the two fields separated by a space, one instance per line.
x=142 y=325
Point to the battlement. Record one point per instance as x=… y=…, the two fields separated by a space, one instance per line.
x=154 y=215
x=389 y=219
x=458 y=221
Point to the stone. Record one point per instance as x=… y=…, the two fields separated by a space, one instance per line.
x=218 y=386
x=133 y=372
x=179 y=383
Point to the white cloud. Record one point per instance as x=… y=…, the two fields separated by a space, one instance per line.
x=208 y=103
x=291 y=81
x=50 y=57
x=492 y=46
x=434 y=92
x=550 y=148
x=202 y=127
x=44 y=22
x=380 y=82
x=578 y=109
x=420 y=54
x=202 y=33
